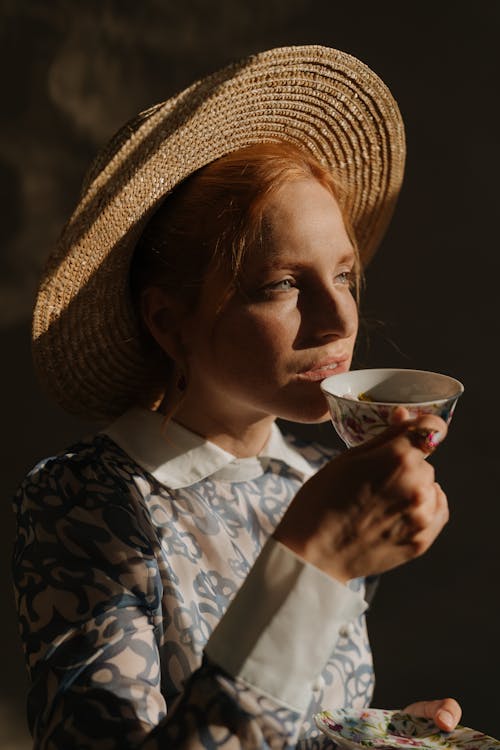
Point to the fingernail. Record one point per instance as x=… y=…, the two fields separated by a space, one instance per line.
x=423 y=438
x=446 y=718
x=433 y=441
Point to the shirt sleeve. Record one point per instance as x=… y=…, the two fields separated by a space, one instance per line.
x=89 y=592
x=297 y=612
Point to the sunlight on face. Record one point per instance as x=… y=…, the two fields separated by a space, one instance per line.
x=292 y=323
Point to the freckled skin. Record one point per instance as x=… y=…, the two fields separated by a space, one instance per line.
x=296 y=310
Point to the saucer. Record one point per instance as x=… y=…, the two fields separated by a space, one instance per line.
x=393 y=730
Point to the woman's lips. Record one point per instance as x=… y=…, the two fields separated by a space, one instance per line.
x=324 y=369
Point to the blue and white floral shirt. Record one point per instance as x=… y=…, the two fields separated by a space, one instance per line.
x=157 y=611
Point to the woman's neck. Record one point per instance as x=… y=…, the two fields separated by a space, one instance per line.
x=242 y=438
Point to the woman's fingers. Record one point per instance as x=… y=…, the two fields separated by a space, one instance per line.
x=399 y=415
x=424 y=438
x=401 y=445
x=372 y=508
x=426 y=433
x=416 y=527
x=431 y=523
x=445 y=713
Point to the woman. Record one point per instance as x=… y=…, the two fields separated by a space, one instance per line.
x=190 y=576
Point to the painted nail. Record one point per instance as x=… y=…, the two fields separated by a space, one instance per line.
x=425 y=439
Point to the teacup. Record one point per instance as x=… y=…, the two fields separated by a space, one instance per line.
x=361 y=402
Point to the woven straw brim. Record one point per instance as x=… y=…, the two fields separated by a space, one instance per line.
x=86 y=345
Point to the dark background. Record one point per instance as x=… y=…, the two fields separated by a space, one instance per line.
x=72 y=72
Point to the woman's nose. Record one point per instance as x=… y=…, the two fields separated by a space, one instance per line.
x=328 y=314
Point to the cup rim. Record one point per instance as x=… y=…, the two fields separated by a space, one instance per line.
x=406 y=404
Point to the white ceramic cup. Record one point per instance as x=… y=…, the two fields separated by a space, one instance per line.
x=381 y=390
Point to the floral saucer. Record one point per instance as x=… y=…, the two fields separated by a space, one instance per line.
x=393 y=730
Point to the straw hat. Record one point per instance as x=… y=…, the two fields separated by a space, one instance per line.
x=86 y=345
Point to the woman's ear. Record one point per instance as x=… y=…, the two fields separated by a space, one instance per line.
x=163 y=315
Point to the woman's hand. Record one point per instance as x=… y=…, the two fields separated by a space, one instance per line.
x=373 y=507
x=445 y=713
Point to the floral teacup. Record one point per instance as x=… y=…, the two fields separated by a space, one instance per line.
x=361 y=402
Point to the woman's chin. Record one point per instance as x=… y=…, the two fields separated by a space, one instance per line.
x=315 y=420
x=308 y=415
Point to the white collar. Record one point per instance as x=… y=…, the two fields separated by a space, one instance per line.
x=178 y=457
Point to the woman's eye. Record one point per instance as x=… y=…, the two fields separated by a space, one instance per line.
x=282 y=286
x=346 y=278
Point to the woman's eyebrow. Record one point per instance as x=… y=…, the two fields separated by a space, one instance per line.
x=273 y=262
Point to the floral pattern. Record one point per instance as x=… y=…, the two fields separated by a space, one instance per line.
x=356 y=421
x=395 y=730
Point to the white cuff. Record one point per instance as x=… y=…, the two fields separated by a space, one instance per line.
x=282 y=625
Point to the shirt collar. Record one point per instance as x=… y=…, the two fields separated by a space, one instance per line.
x=178 y=457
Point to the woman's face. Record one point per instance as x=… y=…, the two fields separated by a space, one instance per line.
x=293 y=323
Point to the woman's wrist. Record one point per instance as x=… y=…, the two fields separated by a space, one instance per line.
x=315 y=551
